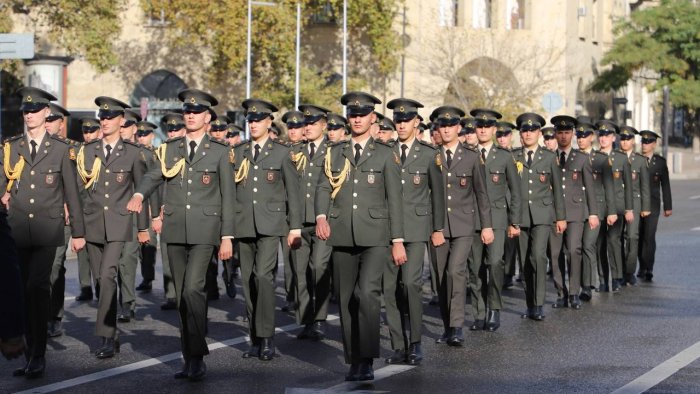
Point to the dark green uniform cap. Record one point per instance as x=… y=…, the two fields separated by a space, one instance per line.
x=359 y=103
x=563 y=122
x=110 y=107
x=257 y=109
x=529 y=121
x=233 y=130
x=89 y=125
x=144 y=128
x=293 y=119
x=220 y=124
x=627 y=132
x=387 y=124
x=447 y=115
x=648 y=136
x=485 y=117
x=584 y=129
x=336 y=121
x=313 y=113
x=468 y=125
x=504 y=128
x=275 y=128
x=548 y=132
x=132 y=117
x=173 y=121
x=404 y=109
x=195 y=100
x=606 y=127
x=34 y=99
x=57 y=112
x=422 y=127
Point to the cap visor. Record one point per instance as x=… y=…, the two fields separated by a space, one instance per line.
x=361 y=111
x=403 y=117
x=448 y=122
x=106 y=114
x=196 y=108
x=257 y=116
x=32 y=107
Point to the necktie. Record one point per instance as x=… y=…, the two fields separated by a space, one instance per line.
x=529 y=158
x=403 y=152
x=109 y=152
x=313 y=149
x=483 y=155
x=449 y=158
x=193 y=146
x=358 y=148
x=257 y=152
x=562 y=159
x=33 y=152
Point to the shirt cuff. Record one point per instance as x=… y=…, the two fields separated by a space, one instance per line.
x=396 y=240
x=227 y=237
x=322 y=216
x=138 y=194
x=296 y=231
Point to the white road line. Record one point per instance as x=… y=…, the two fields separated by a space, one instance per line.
x=695 y=229
x=661 y=372
x=695 y=197
x=108 y=373
x=355 y=387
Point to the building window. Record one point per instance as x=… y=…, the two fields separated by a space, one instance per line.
x=515 y=14
x=447 y=13
x=324 y=15
x=481 y=14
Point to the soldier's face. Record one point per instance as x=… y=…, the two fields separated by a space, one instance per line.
x=176 y=133
x=627 y=145
x=109 y=127
x=531 y=138
x=234 y=140
x=259 y=128
x=54 y=126
x=146 y=140
x=436 y=137
x=472 y=139
x=384 y=135
x=584 y=143
x=36 y=119
x=295 y=134
x=314 y=131
x=648 y=148
x=564 y=138
x=449 y=133
x=88 y=137
x=127 y=133
x=360 y=124
x=504 y=140
x=551 y=143
x=195 y=122
x=218 y=134
x=606 y=141
x=336 y=135
x=407 y=129
x=485 y=134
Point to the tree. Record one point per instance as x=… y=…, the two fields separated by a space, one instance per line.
x=219 y=30
x=662 y=46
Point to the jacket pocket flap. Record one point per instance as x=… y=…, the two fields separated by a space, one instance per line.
x=379 y=213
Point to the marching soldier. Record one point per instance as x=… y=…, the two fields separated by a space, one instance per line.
x=198 y=215
x=267 y=208
x=467 y=134
x=605 y=202
x=336 y=127
x=219 y=127
x=486 y=264
x=38 y=179
x=548 y=134
x=359 y=211
x=311 y=260
x=610 y=262
x=144 y=136
x=543 y=204
x=294 y=120
x=466 y=197
x=386 y=131
x=423 y=220
x=233 y=135
x=504 y=135
x=641 y=203
x=581 y=211
x=659 y=184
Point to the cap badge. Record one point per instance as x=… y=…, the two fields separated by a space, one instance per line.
x=580 y=129
x=333 y=121
x=529 y=122
x=307 y=113
x=193 y=100
x=562 y=123
x=357 y=103
x=253 y=109
x=483 y=117
x=402 y=109
x=105 y=106
x=294 y=119
x=29 y=99
x=447 y=115
x=172 y=121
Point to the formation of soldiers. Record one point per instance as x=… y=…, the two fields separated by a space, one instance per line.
x=356 y=202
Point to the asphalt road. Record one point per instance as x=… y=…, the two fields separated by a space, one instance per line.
x=612 y=341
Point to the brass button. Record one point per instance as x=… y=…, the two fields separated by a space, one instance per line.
x=31 y=201
x=31 y=215
x=106 y=208
x=31 y=186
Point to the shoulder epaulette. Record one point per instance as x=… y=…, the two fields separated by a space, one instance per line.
x=428 y=144
x=387 y=144
x=337 y=143
x=469 y=147
x=14 y=138
x=92 y=142
x=241 y=144
x=659 y=157
x=219 y=141
x=518 y=149
x=278 y=142
x=639 y=154
x=136 y=144
x=498 y=147
x=56 y=137
x=547 y=151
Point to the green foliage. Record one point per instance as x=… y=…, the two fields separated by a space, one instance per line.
x=663 y=40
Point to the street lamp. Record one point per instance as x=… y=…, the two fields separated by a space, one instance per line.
x=248 y=73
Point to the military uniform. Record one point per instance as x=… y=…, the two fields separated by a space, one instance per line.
x=543 y=204
x=658 y=184
x=510 y=248
x=40 y=178
x=267 y=205
x=580 y=200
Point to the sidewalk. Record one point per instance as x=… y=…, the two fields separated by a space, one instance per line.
x=683 y=163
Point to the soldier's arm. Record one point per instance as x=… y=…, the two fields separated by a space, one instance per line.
x=3 y=179
x=149 y=181
x=482 y=198
x=71 y=196
x=227 y=187
x=627 y=179
x=394 y=195
x=665 y=188
x=322 y=201
x=609 y=189
x=645 y=186
x=557 y=190
x=589 y=184
x=437 y=195
x=515 y=188
x=291 y=186
x=138 y=171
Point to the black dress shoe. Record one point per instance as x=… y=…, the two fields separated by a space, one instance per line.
x=445 y=336
x=365 y=371
x=528 y=314
x=290 y=306
x=168 y=305
x=253 y=350
x=351 y=376
x=398 y=357
x=85 y=294
x=307 y=332
x=616 y=285
x=415 y=354
x=586 y=295
x=126 y=315
x=631 y=280
x=319 y=330
x=457 y=338
x=603 y=288
x=109 y=348
x=35 y=368
x=21 y=371
x=537 y=314
x=648 y=276
x=575 y=302
x=197 y=369
x=145 y=286
x=561 y=303
x=212 y=295
x=493 y=320
x=434 y=300
x=477 y=325
x=230 y=287
x=55 y=329
x=267 y=349
x=508 y=282
x=184 y=372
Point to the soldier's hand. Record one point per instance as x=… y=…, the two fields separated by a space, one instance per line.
x=13 y=347
x=157 y=224
x=77 y=244
x=668 y=213
x=144 y=237
x=644 y=214
x=437 y=238
x=593 y=221
x=611 y=219
x=513 y=232
x=561 y=226
x=629 y=216
x=487 y=235
x=134 y=204
x=6 y=200
x=225 y=249
x=293 y=240
x=398 y=253
x=323 y=229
